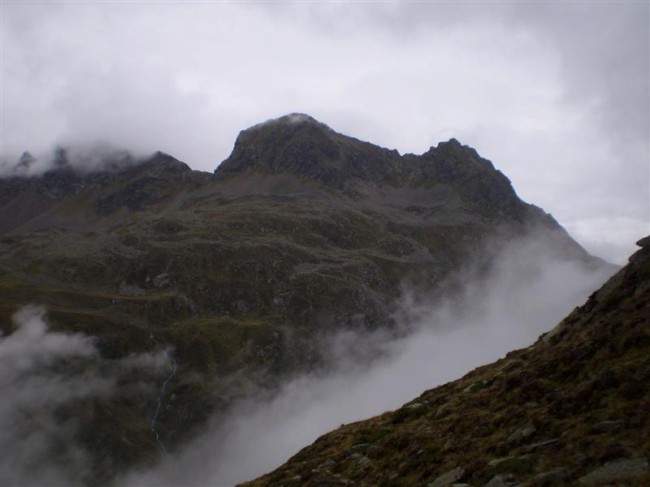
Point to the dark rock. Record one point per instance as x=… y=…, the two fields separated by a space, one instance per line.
x=161 y=280
x=522 y=433
x=616 y=471
x=511 y=465
x=448 y=478
x=541 y=444
x=550 y=477
x=501 y=481
x=644 y=242
x=299 y=145
x=608 y=426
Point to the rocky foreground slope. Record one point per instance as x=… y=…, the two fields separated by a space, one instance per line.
x=572 y=409
x=302 y=231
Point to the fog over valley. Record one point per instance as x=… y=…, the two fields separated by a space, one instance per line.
x=527 y=290
x=525 y=293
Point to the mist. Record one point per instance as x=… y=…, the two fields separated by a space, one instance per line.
x=525 y=292
x=46 y=376
x=82 y=158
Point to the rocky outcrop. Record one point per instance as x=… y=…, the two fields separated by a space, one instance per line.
x=297 y=144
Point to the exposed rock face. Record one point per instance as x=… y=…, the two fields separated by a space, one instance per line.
x=300 y=232
x=569 y=410
x=297 y=144
x=626 y=470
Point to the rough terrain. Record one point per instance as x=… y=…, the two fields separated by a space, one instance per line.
x=572 y=409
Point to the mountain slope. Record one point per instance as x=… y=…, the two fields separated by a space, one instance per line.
x=572 y=409
x=300 y=232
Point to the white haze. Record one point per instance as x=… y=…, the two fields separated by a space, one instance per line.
x=525 y=293
x=43 y=371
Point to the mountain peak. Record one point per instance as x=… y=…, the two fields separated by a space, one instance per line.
x=453 y=142
x=291 y=119
x=299 y=145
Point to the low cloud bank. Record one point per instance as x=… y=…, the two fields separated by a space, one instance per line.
x=83 y=158
x=44 y=374
x=526 y=291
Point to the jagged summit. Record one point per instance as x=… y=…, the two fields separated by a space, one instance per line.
x=453 y=145
x=305 y=156
x=290 y=119
x=299 y=145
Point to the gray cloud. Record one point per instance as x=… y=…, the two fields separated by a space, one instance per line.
x=555 y=94
x=44 y=375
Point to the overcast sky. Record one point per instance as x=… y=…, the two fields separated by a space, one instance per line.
x=556 y=94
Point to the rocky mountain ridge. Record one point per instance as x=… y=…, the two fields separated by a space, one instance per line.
x=299 y=145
